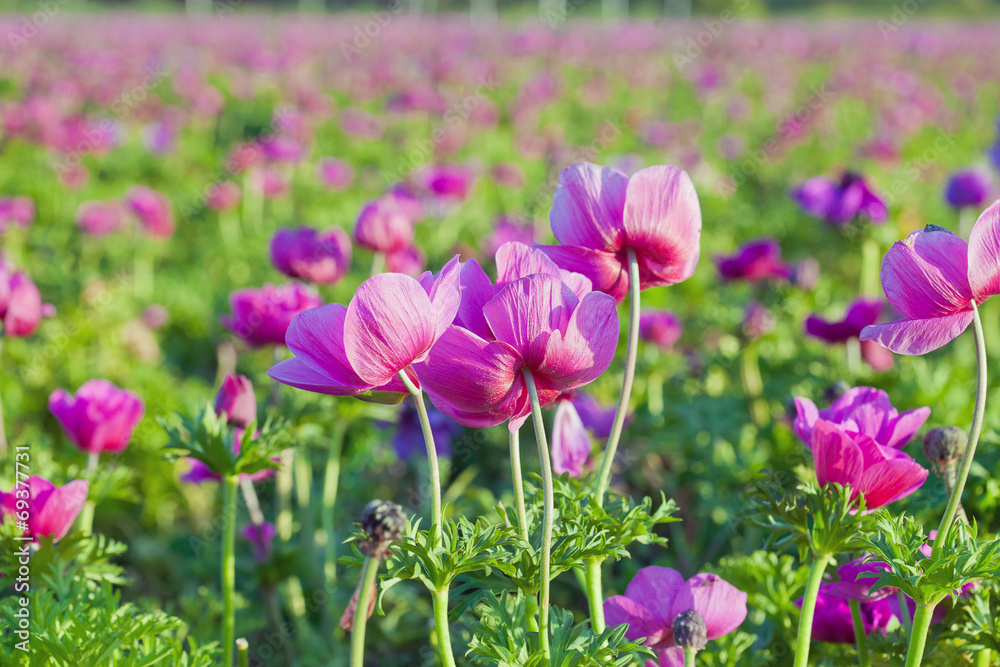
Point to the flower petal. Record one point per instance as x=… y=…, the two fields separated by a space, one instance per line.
x=587 y=346
x=926 y=274
x=888 y=481
x=984 y=253
x=390 y=323
x=657 y=589
x=619 y=610
x=477 y=290
x=918 y=336
x=836 y=457
x=903 y=428
x=570 y=442
x=528 y=311
x=722 y=606
x=588 y=205
x=806 y=416
x=604 y=269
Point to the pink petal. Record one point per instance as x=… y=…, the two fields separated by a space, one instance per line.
x=390 y=323
x=584 y=350
x=56 y=513
x=604 y=269
x=887 y=482
x=587 y=207
x=721 y=605
x=477 y=290
x=984 y=253
x=806 y=416
x=445 y=294
x=663 y=224
x=525 y=313
x=316 y=337
x=926 y=275
x=836 y=457
x=619 y=610
x=570 y=441
x=515 y=260
x=918 y=336
x=472 y=380
x=668 y=657
x=657 y=589
x=906 y=425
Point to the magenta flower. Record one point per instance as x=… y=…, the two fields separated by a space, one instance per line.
x=16 y=211
x=261 y=316
x=860 y=314
x=933 y=277
x=384 y=225
x=596 y=417
x=100 y=418
x=236 y=400
x=660 y=327
x=758 y=321
x=392 y=322
x=49 y=510
x=21 y=307
x=409 y=261
x=832 y=621
x=153 y=210
x=657 y=595
x=223 y=196
x=334 y=174
x=753 y=262
x=99 y=218
x=549 y=322
x=447 y=183
x=883 y=474
x=261 y=537
x=852 y=586
x=309 y=255
x=599 y=212
x=838 y=203
x=509 y=230
x=570 y=441
x=967 y=188
x=863 y=410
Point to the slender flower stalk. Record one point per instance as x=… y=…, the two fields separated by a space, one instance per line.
x=860 y=638
x=753 y=385
x=809 y=608
x=595 y=597
x=243 y=652
x=441 y=627
x=922 y=619
x=303 y=492
x=548 y=499
x=331 y=481
x=87 y=515
x=368 y=572
x=904 y=610
x=515 y=470
x=432 y=459
x=870 y=260
x=689 y=655
x=229 y=485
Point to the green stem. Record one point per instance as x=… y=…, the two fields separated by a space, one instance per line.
x=753 y=385
x=515 y=472
x=87 y=514
x=242 y=652
x=283 y=483
x=331 y=481
x=970 y=451
x=378 y=263
x=594 y=595
x=531 y=611
x=689 y=653
x=229 y=484
x=594 y=584
x=545 y=564
x=860 y=638
x=303 y=493
x=984 y=658
x=918 y=637
x=604 y=477
x=432 y=459
x=441 y=626
x=809 y=608
x=368 y=572
x=904 y=611
x=870 y=267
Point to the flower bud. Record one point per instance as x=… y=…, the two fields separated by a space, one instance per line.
x=236 y=401
x=384 y=522
x=690 y=630
x=944 y=446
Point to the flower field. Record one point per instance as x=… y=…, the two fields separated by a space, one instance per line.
x=373 y=339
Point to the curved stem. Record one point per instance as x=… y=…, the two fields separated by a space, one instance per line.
x=548 y=498
x=809 y=608
x=515 y=473
x=689 y=654
x=432 y=459
x=970 y=451
x=331 y=481
x=229 y=484
x=594 y=595
x=442 y=628
x=604 y=477
x=918 y=637
x=860 y=638
x=368 y=572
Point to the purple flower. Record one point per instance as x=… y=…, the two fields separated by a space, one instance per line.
x=758 y=321
x=261 y=537
x=385 y=225
x=660 y=327
x=852 y=586
x=261 y=316
x=99 y=218
x=967 y=188
x=409 y=438
x=861 y=313
x=223 y=196
x=335 y=175
x=51 y=509
x=837 y=203
x=597 y=418
x=598 y=213
x=863 y=410
x=153 y=210
x=657 y=595
x=754 y=261
x=17 y=211
x=932 y=277
x=832 y=621
x=100 y=418
x=570 y=442
x=21 y=307
x=509 y=230
x=309 y=255
x=448 y=183
x=236 y=400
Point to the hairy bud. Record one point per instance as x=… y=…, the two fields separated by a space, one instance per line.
x=944 y=446
x=384 y=522
x=690 y=630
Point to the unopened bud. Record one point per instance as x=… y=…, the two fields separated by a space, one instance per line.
x=384 y=522
x=944 y=446
x=835 y=391
x=690 y=630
